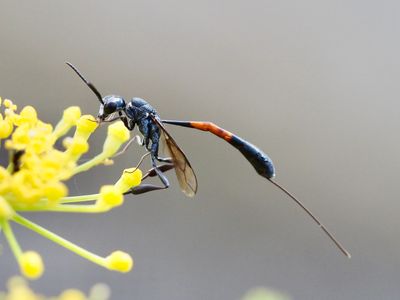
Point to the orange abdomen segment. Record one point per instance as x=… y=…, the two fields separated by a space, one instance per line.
x=211 y=127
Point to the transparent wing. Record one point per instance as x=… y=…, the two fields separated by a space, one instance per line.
x=184 y=172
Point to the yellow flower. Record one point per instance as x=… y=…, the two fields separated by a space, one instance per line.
x=18 y=289
x=28 y=115
x=130 y=177
x=31 y=264
x=78 y=146
x=5 y=129
x=261 y=293
x=72 y=294
x=35 y=179
x=110 y=196
x=6 y=211
x=85 y=126
x=117 y=135
x=119 y=261
x=55 y=191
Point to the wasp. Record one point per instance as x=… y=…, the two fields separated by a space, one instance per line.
x=138 y=112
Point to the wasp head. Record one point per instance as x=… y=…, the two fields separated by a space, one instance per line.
x=110 y=104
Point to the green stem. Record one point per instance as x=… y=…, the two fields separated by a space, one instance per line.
x=61 y=241
x=10 y=166
x=98 y=159
x=90 y=208
x=61 y=129
x=12 y=241
x=44 y=206
x=75 y=199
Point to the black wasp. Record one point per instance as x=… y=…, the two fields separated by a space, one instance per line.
x=140 y=113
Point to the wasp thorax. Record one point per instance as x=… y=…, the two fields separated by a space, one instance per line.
x=138 y=102
x=138 y=108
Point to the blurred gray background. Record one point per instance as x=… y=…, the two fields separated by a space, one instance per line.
x=313 y=83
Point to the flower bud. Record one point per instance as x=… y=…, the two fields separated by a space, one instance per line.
x=31 y=264
x=119 y=261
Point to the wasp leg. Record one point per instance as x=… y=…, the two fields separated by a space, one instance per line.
x=165 y=159
x=136 y=139
x=160 y=174
x=155 y=171
x=110 y=120
x=144 y=188
x=162 y=168
x=139 y=163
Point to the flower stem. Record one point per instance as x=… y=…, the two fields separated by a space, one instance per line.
x=75 y=199
x=98 y=159
x=89 y=208
x=61 y=241
x=12 y=241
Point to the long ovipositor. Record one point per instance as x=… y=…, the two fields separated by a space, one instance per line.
x=258 y=159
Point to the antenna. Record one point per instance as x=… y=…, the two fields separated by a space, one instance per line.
x=89 y=84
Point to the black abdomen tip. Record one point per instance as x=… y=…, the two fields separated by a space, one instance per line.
x=266 y=167
x=258 y=159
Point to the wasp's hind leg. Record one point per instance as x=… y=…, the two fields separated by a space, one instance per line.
x=151 y=133
x=163 y=168
x=165 y=159
x=155 y=171
x=144 y=188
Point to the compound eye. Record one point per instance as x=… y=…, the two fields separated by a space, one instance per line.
x=110 y=108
